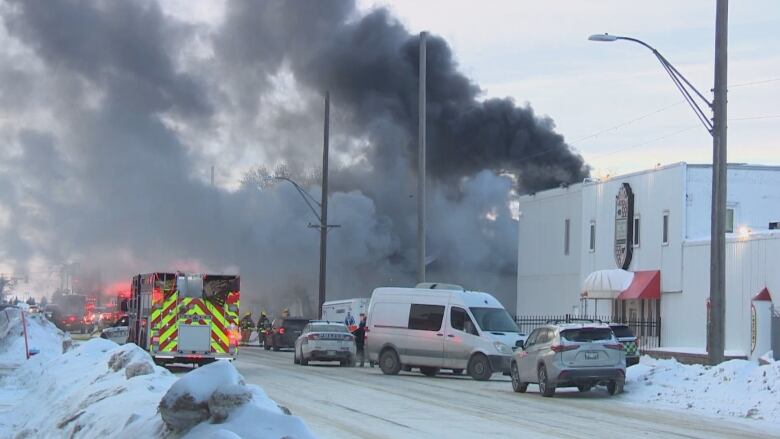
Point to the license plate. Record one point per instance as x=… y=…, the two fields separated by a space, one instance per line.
x=591 y=355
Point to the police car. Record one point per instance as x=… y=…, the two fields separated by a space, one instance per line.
x=118 y=331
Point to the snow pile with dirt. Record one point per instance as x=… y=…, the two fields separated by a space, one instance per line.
x=100 y=389
x=44 y=340
x=735 y=388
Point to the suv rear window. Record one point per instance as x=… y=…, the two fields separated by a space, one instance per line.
x=295 y=324
x=584 y=335
x=622 y=331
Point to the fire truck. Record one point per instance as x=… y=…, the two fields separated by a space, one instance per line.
x=185 y=318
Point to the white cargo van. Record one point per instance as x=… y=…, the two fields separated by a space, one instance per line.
x=345 y=311
x=440 y=326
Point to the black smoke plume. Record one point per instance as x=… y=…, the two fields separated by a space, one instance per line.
x=111 y=114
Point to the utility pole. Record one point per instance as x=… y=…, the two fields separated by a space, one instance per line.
x=716 y=330
x=421 y=165
x=324 y=204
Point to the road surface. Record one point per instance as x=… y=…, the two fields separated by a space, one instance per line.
x=345 y=403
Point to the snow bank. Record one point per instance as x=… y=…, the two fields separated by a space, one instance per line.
x=217 y=393
x=100 y=389
x=43 y=338
x=736 y=388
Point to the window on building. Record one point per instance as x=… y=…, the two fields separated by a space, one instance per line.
x=426 y=317
x=729 y=220
x=592 y=236
x=636 y=232
x=566 y=225
x=666 y=228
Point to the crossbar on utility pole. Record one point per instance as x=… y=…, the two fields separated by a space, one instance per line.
x=421 y=164
x=716 y=330
x=324 y=206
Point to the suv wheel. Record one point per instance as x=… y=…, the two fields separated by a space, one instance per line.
x=517 y=385
x=545 y=388
x=429 y=371
x=296 y=358
x=613 y=388
x=389 y=362
x=479 y=368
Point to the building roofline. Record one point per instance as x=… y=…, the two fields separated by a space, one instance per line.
x=552 y=192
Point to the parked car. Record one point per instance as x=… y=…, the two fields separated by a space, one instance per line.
x=626 y=337
x=284 y=332
x=118 y=331
x=436 y=326
x=578 y=355
x=325 y=341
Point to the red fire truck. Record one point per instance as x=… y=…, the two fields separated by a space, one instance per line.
x=185 y=318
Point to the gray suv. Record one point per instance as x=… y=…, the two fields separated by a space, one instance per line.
x=578 y=355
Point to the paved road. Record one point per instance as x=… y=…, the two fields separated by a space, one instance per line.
x=349 y=403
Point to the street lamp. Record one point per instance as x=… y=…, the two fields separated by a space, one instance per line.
x=716 y=330
x=311 y=202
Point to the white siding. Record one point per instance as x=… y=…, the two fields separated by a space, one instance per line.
x=655 y=192
x=753 y=192
x=548 y=281
x=750 y=266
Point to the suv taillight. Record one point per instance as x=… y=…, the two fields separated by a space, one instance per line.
x=281 y=330
x=564 y=347
x=618 y=346
x=313 y=336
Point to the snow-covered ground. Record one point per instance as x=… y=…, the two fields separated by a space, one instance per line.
x=347 y=403
x=100 y=389
x=736 y=388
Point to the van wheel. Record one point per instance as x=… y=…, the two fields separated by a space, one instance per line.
x=517 y=385
x=389 y=362
x=545 y=388
x=429 y=371
x=479 y=368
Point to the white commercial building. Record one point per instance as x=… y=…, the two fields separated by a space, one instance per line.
x=636 y=248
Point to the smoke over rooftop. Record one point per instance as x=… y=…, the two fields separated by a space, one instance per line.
x=117 y=111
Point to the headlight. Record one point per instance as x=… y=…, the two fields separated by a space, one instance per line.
x=502 y=348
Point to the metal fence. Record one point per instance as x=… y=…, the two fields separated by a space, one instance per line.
x=648 y=332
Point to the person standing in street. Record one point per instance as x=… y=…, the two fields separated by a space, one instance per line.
x=360 y=335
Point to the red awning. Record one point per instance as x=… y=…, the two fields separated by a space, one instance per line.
x=763 y=295
x=646 y=285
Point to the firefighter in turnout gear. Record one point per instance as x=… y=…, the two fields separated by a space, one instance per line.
x=263 y=326
x=247 y=325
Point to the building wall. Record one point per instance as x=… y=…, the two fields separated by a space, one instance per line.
x=548 y=281
x=655 y=193
x=751 y=266
x=753 y=192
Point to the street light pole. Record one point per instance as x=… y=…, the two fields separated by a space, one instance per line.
x=716 y=332
x=716 y=328
x=324 y=204
x=421 y=163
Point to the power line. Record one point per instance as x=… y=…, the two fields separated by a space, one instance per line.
x=771 y=116
x=626 y=123
x=761 y=81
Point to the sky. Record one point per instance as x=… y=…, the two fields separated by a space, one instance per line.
x=86 y=101
x=613 y=102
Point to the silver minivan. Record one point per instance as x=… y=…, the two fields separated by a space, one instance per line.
x=436 y=327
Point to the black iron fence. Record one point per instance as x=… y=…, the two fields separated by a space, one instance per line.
x=648 y=332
